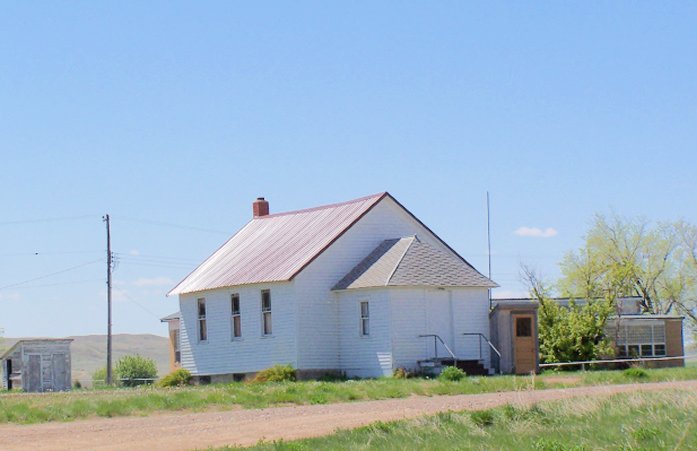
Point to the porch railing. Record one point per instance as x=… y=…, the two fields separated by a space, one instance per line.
x=484 y=339
x=436 y=339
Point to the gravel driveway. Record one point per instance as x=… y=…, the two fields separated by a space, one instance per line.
x=184 y=431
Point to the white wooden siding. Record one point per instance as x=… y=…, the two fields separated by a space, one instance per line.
x=418 y=311
x=371 y=355
x=220 y=354
x=318 y=310
x=471 y=314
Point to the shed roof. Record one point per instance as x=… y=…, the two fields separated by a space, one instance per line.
x=26 y=341
x=171 y=317
x=275 y=248
x=411 y=262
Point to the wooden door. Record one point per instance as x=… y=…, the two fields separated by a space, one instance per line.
x=61 y=375
x=31 y=375
x=524 y=344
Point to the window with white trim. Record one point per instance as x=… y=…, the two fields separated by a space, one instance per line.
x=176 y=341
x=202 y=328
x=642 y=340
x=266 y=312
x=365 y=319
x=236 y=318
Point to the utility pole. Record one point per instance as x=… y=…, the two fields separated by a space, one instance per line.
x=488 y=239
x=108 y=299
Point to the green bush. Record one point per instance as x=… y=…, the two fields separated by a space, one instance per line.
x=177 y=378
x=99 y=378
x=482 y=418
x=277 y=373
x=636 y=373
x=131 y=370
x=401 y=373
x=452 y=373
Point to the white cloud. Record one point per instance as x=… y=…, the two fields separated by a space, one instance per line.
x=134 y=252
x=153 y=282
x=536 y=232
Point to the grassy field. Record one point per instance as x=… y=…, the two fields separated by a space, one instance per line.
x=638 y=421
x=37 y=408
x=88 y=352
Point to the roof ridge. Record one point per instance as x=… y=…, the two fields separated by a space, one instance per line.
x=322 y=207
x=401 y=258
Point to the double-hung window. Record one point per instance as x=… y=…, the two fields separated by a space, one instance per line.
x=236 y=318
x=365 y=319
x=266 y=312
x=202 y=329
x=176 y=343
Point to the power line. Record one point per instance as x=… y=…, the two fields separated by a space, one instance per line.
x=126 y=295
x=40 y=253
x=50 y=274
x=42 y=220
x=158 y=265
x=74 y=282
x=169 y=224
x=144 y=257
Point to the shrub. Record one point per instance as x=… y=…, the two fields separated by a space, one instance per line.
x=99 y=378
x=176 y=378
x=401 y=373
x=132 y=369
x=277 y=373
x=77 y=385
x=482 y=418
x=452 y=373
x=333 y=377
x=636 y=373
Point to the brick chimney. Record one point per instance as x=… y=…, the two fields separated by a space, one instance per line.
x=260 y=207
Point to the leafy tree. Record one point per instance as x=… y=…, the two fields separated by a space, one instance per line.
x=133 y=370
x=573 y=333
x=633 y=257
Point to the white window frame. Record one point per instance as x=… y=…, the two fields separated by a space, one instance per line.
x=177 y=346
x=201 y=323
x=364 y=318
x=235 y=317
x=625 y=343
x=266 y=317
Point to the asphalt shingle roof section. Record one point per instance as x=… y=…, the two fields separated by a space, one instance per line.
x=276 y=247
x=411 y=262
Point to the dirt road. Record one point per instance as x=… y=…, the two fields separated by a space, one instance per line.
x=184 y=431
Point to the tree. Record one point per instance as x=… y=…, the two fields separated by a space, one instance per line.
x=573 y=333
x=633 y=257
x=133 y=370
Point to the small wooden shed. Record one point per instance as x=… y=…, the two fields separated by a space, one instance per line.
x=513 y=325
x=37 y=365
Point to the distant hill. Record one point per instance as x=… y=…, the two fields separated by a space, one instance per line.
x=88 y=352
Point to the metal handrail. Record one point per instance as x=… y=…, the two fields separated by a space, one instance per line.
x=437 y=338
x=491 y=345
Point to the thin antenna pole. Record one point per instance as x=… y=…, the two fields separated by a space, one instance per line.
x=488 y=239
x=108 y=299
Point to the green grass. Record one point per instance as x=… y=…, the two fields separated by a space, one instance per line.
x=37 y=408
x=630 y=421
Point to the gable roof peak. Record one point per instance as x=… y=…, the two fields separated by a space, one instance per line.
x=276 y=247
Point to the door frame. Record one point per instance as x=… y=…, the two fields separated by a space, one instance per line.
x=533 y=337
x=25 y=383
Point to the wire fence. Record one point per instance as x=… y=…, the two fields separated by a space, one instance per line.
x=583 y=364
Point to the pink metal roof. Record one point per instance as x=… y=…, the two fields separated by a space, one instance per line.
x=276 y=247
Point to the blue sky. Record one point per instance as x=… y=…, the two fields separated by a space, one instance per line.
x=175 y=114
